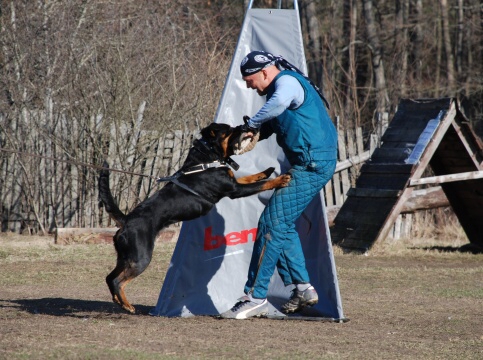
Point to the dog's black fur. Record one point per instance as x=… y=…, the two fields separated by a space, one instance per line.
x=134 y=241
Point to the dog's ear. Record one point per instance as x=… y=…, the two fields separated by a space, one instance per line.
x=207 y=132
x=213 y=130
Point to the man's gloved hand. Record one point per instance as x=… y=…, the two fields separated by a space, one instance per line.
x=246 y=128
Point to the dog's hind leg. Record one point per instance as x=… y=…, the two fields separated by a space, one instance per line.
x=117 y=281
x=120 y=277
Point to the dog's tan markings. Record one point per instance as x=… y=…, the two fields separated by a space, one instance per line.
x=224 y=146
x=124 y=302
x=121 y=298
x=230 y=173
x=255 y=177
x=279 y=182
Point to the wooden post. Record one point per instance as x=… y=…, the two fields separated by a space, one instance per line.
x=344 y=173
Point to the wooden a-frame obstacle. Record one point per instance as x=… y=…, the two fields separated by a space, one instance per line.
x=423 y=132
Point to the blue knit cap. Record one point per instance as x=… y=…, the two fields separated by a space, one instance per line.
x=256 y=61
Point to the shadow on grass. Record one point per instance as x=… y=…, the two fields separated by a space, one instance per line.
x=467 y=248
x=70 y=307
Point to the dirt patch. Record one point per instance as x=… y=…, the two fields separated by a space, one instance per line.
x=404 y=302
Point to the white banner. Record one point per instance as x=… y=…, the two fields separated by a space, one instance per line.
x=209 y=266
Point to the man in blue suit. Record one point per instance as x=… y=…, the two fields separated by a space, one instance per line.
x=296 y=112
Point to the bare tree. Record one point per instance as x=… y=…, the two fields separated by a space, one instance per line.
x=351 y=114
x=86 y=80
x=314 y=49
x=448 y=48
x=418 y=44
x=400 y=62
x=377 y=57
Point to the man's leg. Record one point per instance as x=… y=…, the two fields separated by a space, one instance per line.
x=276 y=234
x=303 y=294
x=292 y=274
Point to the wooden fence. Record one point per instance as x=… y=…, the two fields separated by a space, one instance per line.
x=46 y=180
x=38 y=193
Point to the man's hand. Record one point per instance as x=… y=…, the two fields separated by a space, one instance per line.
x=246 y=128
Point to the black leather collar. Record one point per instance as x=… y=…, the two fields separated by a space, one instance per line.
x=210 y=149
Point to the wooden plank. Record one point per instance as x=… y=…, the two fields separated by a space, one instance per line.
x=433 y=180
x=338 y=193
x=424 y=199
x=357 y=211
x=435 y=142
x=66 y=236
x=402 y=227
x=352 y=160
x=394 y=155
x=396 y=230
x=418 y=106
x=357 y=238
x=374 y=168
x=344 y=175
x=329 y=194
x=373 y=193
x=158 y=164
x=359 y=141
x=393 y=214
x=373 y=143
x=360 y=153
x=409 y=134
x=351 y=152
x=408 y=224
x=382 y=181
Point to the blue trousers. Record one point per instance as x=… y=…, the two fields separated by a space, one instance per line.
x=278 y=243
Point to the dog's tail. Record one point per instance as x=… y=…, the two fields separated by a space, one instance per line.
x=106 y=199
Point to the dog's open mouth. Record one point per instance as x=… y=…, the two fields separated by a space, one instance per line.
x=245 y=143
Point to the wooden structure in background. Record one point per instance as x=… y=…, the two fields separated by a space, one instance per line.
x=423 y=133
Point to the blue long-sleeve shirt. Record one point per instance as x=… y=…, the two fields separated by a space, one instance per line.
x=288 y=94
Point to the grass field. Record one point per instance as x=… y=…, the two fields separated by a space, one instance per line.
x=418 y=299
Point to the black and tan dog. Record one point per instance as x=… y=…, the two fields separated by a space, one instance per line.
x=202 y=181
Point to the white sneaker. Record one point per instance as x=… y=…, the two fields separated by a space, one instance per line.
x=244 y=309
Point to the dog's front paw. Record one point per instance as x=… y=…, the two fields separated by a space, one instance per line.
x=284 y=180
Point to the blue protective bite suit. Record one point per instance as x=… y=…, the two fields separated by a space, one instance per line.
x=309 y=141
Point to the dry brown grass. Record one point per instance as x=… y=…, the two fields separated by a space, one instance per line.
x=405 y=300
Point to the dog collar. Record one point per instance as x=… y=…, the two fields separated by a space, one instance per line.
x=232 y=163
x=227 y=160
